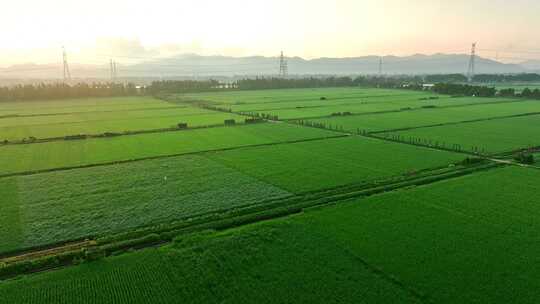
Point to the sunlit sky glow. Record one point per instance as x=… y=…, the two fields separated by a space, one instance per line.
x=35 y=30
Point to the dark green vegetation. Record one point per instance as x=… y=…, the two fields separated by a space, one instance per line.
x=448 y=242
x=231 y=204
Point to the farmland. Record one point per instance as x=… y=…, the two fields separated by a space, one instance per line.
x=457 y=240
x=73 y=204
x=312 y=195
x=128 y=118
x=332 y=162
x=44 y=156
x=81 y=105
x=69 y=205
x=280 y=253
x=427 y=117
x=323 y=102
x=495 y=136
x=463 y=234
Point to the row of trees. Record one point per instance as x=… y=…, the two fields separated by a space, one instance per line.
x=464 y=90
x=261 y=83
x=284 y=83
x=491 y=78
x=61 y=91
x=445 y=84
x=525 y=93
x=184 y=86
x=412 y=82
x=482 y=78
x=483 y=91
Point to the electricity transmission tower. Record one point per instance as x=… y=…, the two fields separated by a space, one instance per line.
x=67 y=74
x=471 y=70
x=114 y=70
x=111 y=70
x=283 y=67
x=380 y=66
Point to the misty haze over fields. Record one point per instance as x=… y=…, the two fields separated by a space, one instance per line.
x=192 y=65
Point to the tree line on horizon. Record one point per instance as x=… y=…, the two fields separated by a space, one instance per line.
x=451 y=84
x=44 y=91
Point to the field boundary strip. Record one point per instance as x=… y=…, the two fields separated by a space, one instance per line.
x=66 y=168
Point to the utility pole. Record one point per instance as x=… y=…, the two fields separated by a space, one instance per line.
x=471 y=70
x=283 y=67
x=67 y=74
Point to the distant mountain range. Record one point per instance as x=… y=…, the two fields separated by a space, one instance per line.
x=191 y=65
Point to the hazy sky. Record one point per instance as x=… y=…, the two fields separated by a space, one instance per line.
x=35 y=30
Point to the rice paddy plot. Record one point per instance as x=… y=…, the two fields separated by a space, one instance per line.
x=472 y=238
x=63 y=106
x=67 y=119
x=98 y=123
x=59 y=206
x=397 y=100
x=492 y=136
x=71 y=153
x=367 y=104
x=329 y=163
x=428 y=117
x=280 y=262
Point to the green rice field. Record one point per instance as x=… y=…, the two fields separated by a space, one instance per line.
x=341 y=198
x=427 y=117
x=447 y=242
x=89 y=119
x=61 y=154
x=494 y=136
x=332 y=162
